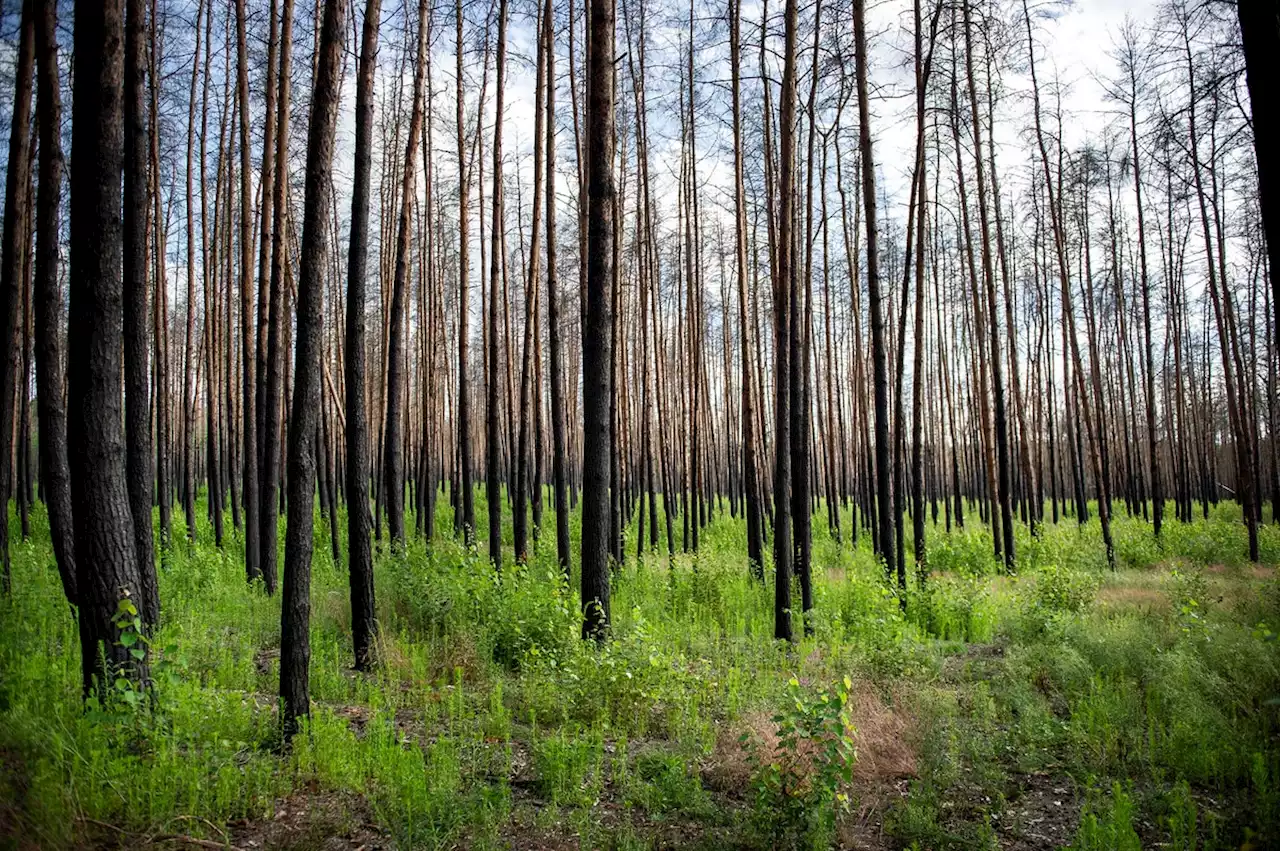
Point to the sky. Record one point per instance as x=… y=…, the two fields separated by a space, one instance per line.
x=1073 y=40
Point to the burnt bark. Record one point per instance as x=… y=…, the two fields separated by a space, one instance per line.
x=136 y=339
x=393 y=450
x=252 y=530
x=12 y=253
x=363 y=623
x=55 y=475
x=295 y=612
x=597 y=344
x=105 y=557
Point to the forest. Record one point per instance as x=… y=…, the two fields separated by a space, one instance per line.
x=639 y=424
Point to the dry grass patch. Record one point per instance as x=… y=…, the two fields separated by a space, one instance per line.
x=1132 y=596
x=883 y=734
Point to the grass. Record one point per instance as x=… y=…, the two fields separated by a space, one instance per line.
x=1066 y=706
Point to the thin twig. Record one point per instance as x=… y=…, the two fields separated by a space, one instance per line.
x=191 y=840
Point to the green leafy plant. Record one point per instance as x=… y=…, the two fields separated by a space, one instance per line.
x=798 y=784
x=1189 y=590
x=123 y=690
x=1061 y=589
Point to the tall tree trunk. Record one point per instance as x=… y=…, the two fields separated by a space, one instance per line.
x=497 y=263
x=465 y=513
x=559 y=461
x=597 y=345
x=923 y=66
x=136 y=342
x=295 y=612
x=107 y=563
x=364 y=626
x=275 y=348
x=189 y=357
x=879 y=357
x=1003 y=479
x=12 y=254
x=266 y=219
x=393 y=457
x=783 y=290
x=755 y=539
x=252 y=529
x=519 y=496
x=50 y=369
x=160 y=312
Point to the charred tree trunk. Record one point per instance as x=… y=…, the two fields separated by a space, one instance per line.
x=363 y=624
x=393 y=457
x=597 y=345
x=755 y=539
x=879 y=356
x=12 y=255
x=275 y=355
x=108 y=579
x=252 y=530
x=783 y=290
x=1260 y=33
x=559 y=462
x=136 y=341
x=493 y=465
x=50 y=368
x=295 y=613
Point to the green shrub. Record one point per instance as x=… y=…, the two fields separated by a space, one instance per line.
x=798 y=783
x=953 y=610
x=1064 y=590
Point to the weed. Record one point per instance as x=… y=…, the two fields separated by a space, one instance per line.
x=1107 y=824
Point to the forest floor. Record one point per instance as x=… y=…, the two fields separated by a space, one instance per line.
x=1068 y=705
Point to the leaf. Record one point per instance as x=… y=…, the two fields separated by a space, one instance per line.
x=128 y=638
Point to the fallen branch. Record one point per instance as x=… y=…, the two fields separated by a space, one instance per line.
x=165 y=837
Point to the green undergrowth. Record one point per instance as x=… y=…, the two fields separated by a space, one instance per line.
x=1150 y=695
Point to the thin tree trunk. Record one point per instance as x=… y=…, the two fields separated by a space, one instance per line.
x=364 y=625
x=755 y=541
x=250 y=482
x=493 y=465
x=12 y=253
x=465 y=516
x=597 y=354
x=880 y=367
x=275 y=349
x=559 y=462
x=393 y=457
x=50 y=369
